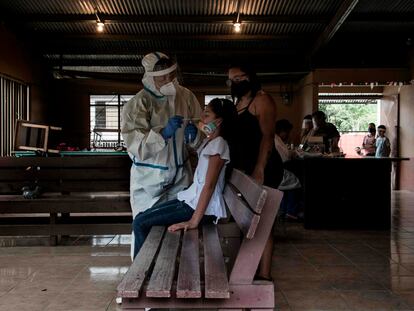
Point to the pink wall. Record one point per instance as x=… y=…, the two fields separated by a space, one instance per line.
x=350 y=141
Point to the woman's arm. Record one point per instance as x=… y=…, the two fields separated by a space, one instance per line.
x=266 y=113
x=215 y=164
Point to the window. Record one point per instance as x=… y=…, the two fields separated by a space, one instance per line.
x=349 y=113
x=105 y=120
x=14 y=102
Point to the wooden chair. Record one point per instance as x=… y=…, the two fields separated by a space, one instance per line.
x=187 y=269
x=31 y=136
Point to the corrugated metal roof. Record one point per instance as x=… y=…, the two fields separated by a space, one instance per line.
x=347 y=101
x=384 y=6
x=92 y=57
x=184 y=45
x=65 y=31
x=175 y=7
x=106 y=69
x=380 y=28
x=322 y=94
x=173 y=28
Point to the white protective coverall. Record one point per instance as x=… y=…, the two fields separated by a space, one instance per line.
x=160 y=168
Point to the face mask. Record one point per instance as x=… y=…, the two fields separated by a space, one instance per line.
x=208 y=128
x=371 y=130
x=169 y=89
x=240 y=89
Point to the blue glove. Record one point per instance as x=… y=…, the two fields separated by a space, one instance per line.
x=173 y=124
x=190 y=132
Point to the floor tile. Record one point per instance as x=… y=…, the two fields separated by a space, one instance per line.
x=81 y=300
x=313 y=269
x=402 y=283
x=381 y=300
x=315 y=300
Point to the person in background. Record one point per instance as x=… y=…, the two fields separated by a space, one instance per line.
x=254 y=148
x=327 y=130
x=155 y=128
x=307 y=127
x=203 y=201
x=382 y=143
x=368 y=143
x=282 y=132
x=290 y=185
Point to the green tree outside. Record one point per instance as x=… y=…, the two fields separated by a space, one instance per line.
x=350 y=117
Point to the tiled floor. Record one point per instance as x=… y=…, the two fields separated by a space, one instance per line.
x=314 y=270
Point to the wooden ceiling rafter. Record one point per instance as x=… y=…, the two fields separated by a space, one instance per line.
x=336 y=22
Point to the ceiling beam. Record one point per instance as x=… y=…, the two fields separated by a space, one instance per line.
x=174 y=19
x=154 y=37
x=220 y=73
x=189 y=78
x=227 y=52
x=199 y=65
x=339 y=18
x=400 y=17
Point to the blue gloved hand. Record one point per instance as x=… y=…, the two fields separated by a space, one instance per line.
x=190 y=132
x=173 y=124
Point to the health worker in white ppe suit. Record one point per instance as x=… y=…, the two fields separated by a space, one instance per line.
x=156 y=126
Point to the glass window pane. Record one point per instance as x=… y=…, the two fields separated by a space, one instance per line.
x=105 y=113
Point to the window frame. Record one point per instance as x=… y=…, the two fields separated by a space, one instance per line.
x=108 y=144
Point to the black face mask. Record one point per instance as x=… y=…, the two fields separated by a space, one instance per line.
x=371 y=130
x=240 y=89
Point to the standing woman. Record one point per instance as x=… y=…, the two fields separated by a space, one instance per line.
x=253 y=150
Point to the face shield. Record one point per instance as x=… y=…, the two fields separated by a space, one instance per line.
x=165 y=89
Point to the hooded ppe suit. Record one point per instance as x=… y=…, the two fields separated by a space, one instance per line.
x=160 y=167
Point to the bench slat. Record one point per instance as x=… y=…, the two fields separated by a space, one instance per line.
x=188 y=284
x=92 y=185
x=67 y=162
x=253 y=193
x=250 y=251
x=56 y=174
x=162 y=276
x=244 y=217
x=216 y=282
x=132 y=282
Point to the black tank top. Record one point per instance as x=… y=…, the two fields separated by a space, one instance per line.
x=247 y=147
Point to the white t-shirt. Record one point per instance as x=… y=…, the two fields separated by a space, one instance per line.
x=281 y=148
x=216 y=207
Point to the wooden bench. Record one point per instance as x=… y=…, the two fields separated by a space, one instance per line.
x=80 y=196
x=187 y=269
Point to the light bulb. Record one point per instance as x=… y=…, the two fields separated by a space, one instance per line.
x=100 y=26
x=237 y=26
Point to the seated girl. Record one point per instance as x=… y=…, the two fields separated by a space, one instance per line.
x=203 y=201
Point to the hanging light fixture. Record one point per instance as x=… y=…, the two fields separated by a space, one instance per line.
x=237 y=24
x=100 y=25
